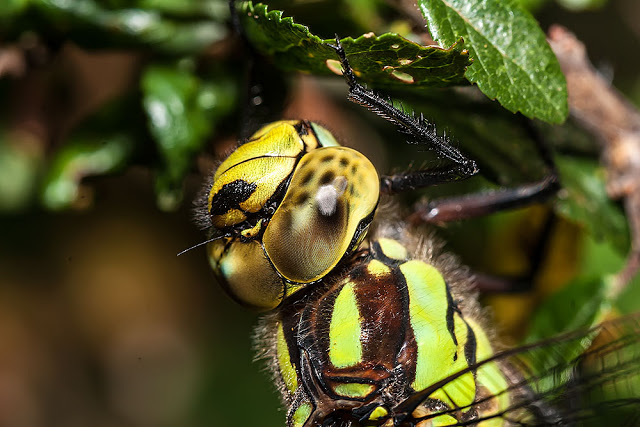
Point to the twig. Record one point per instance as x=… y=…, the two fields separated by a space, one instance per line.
x=603 y=111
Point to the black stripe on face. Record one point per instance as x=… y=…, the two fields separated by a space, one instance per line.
x=230 y=196
x=313 y=331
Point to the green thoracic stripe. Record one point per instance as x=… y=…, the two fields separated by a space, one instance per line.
x=460 y=392
x=301 y=415
x=437 y=354
x=345 y=348
x=444 y=420
x=287 y=370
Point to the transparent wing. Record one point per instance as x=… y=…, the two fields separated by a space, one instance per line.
x=584 y=377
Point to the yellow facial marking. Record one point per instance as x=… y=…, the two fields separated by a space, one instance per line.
x=253 y=231
x=281 y=124
x=278 y=139
x=265 y=174
x=252 y=173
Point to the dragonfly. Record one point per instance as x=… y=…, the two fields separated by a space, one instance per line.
x=368 y=322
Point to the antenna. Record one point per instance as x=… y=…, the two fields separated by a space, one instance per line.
x=200 y=244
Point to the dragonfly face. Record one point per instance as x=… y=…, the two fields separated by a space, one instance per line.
x=291 y=180
x=362 y=323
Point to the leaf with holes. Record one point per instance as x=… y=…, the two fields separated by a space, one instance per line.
x=387 y=60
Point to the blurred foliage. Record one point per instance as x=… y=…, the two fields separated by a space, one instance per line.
x=111 y=109
x=182 y=109
x=574 y=5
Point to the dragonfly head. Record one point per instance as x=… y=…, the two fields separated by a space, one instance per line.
x=292 y=203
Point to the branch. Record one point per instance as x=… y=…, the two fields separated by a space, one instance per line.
x=603 y=111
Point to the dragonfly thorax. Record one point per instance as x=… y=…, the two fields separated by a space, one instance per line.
x=383 y=329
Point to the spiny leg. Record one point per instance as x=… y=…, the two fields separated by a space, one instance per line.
x=485 y=203
x=456 y=208
x=480 y=204
x=419 y=131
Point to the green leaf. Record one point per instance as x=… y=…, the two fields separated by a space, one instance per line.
x=581 y=304
x=81 y=157
x=182 y=110
x=584 y=200
x=629 y=300
x=578 y=305
x=103 y=143
x=599 y=257
x=532 y=5
x=385 y=60
x=512 y=61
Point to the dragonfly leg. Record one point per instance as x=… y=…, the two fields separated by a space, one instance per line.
x=449 y=209
x=480 y=204
x=418 y=131
x=485 y=203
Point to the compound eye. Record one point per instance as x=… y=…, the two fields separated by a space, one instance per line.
x=246 y=274
x=328 y=207
x=251 y=175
